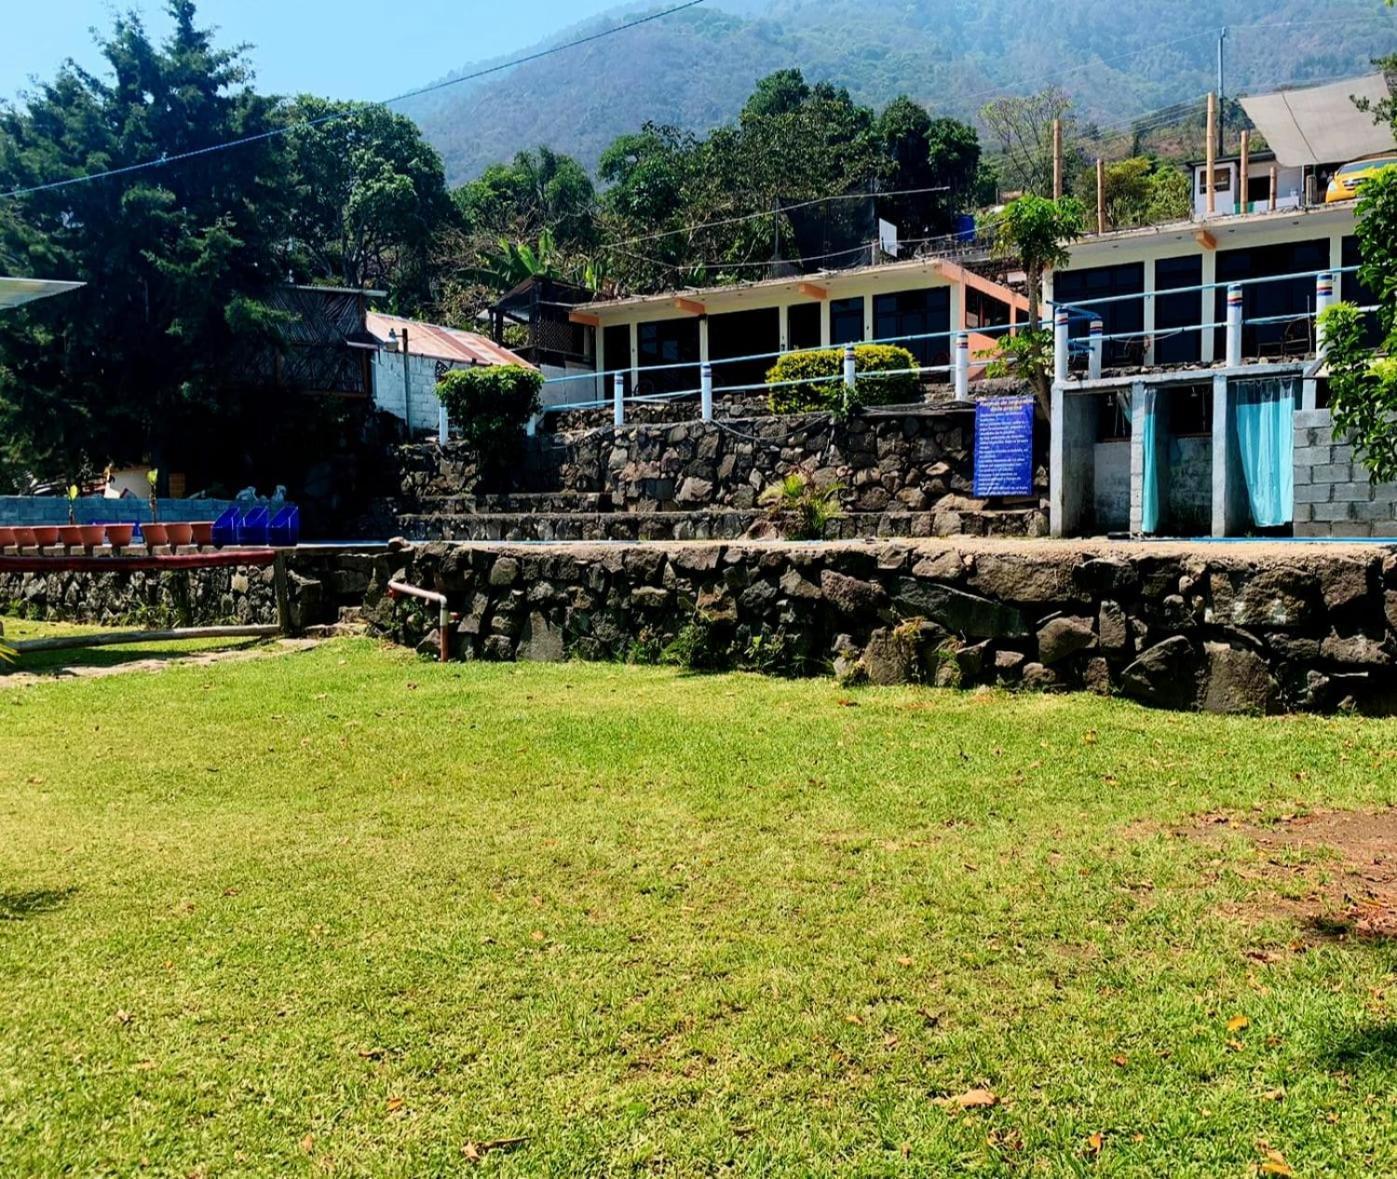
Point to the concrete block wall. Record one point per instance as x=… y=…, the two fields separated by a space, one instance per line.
x=1111 y=486
x=421 y=389
x=1334 y=495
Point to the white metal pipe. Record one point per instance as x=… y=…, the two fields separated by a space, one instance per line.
x=397 y=589
x=962 y=367
x=1060 y=344
x=1324 y=299
x=443 y=425
x=706 y=392
x=1234 y=326
x=618 y=400
x=850 y=367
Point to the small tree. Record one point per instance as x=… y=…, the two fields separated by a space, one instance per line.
x=1036 y=232
x=489 y=406
x=1363 y=385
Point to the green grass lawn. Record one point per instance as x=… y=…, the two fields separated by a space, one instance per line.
x=346 y=912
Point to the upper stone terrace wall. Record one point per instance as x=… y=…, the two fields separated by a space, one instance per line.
x=1248 y=628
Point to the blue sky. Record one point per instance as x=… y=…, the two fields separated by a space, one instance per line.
x=338 y=48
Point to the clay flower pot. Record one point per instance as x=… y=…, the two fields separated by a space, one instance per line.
x=45 y=534
x=7 y=536
x=155 y=534
x=70 y=535
x=203 y=531
x=92 y=534
x=119 y=535
x=24 y=537
x=180 y=534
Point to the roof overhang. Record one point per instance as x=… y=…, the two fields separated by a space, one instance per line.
x=1322 y=124
x=15 y=292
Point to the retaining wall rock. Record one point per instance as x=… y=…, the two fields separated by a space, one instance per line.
x=1255 y=628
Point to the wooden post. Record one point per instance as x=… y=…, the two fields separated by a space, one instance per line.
x=1244 y=175
x=1274 y=181
x=1212 y=152
x=283 y=593
x=1100 y=195
x=1057 y=159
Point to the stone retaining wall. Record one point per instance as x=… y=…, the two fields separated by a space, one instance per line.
x=1256 y=628
x=320 y=584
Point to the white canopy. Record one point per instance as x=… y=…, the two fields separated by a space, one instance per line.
x=15 y=292
x=1321 y=124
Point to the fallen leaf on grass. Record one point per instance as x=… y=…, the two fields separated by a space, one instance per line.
x=1235 y=1045
x=1237 y=1023
x=123 y=1016
x=904 y=960
x=308 y=1144
x=970 y=1099
x=853 y=1018
x=371 y=1053
x=1273 y=1095
x=1120 y=1060
x=395 y=1104
x=1275 y=1164
x=1094 y=1143
x=144 y=1066
x=475 y=1151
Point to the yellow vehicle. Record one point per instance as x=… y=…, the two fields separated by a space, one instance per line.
x=1344 y=186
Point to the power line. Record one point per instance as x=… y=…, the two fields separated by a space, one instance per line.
x=194 y=153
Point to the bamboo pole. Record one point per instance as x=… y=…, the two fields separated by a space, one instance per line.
x=118 y=638
x=1212 y=152
x=1057 y=159
x=1100 y=195
x=1274 y=182
x=1244 y=175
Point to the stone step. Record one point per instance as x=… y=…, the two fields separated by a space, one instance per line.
x=708 y=525
x=516 y=502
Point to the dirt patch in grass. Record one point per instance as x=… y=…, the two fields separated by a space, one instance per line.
x=1334 y=872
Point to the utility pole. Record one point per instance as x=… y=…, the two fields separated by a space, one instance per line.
x=1222 y=91
x=407 y=388
x=1057 y=159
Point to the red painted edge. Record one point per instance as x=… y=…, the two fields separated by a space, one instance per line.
x=221 y=558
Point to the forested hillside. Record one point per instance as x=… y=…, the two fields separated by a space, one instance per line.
x=696 y=68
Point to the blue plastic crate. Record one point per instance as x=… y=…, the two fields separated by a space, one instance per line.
x=253 y=528
x=225 y=528
x=285 y=529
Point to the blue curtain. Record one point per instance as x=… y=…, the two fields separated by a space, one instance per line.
x=1142 y=418
x=1263 y=415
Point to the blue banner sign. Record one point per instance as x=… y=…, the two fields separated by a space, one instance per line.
x=1004 y=446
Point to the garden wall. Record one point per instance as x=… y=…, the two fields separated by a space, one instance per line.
x=1256 y=628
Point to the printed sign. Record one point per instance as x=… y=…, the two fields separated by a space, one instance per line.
x=1004 y=446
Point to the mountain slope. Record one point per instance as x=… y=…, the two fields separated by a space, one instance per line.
x=695 y=68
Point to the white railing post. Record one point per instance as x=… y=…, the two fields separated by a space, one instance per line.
x=618 y=400
x=444 y=425
x=1324 y=299
x=962 y=366
x=706 y=392
x=1096 y=347
x=531 y=426
x=1234 y=326
x=850 y=368
x=1060 y=344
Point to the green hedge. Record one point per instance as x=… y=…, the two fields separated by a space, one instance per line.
x=489 y=405
x=898 y=387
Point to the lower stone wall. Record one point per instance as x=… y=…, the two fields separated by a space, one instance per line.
x=320 y=584
x=1256 y=628
x=1333 y=494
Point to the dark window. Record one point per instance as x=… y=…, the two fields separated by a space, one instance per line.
x=1112 y=420
x=616 y=344
x=1122 y=317
x=1259 y=188
x=1286 y=305
x=983 y=310
x=668 y=342
x=1190 y=410
x=846 y=321
x=1352 y=289
x=743 y=333
x=1172 y=312
x=803 y=325
x=917 y=320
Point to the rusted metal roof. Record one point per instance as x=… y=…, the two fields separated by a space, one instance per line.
x=442 y=343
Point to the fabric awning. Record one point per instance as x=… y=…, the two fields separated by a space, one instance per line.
x=1321 y=124
x=15 y=292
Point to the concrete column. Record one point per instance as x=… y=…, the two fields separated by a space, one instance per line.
x=1207 y=343
x=1149 y=315
x=1139 y=394
x=703 y=339
x=706 y=391
x=1234 y=326
x=824 y=324
x=1060 y=344
x=618 y=400
x=599 y=385
x=635 y=355
x=962 y=367
x=1071 y=460
x=868 y=317
x=1096 y=348
x=1221 y=454
x=1336 y=254
x=783 y=327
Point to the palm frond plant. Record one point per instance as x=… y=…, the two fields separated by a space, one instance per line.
x=800 y=507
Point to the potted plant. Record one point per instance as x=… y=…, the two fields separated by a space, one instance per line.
x=71 y=533
x=119 y=535
x=155 y=532
x=45 y=534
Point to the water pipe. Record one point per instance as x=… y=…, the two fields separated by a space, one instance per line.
x=400 y=589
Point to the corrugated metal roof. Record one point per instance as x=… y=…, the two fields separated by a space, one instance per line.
x=15 y=292
x=441 y=343
x=1321 y=124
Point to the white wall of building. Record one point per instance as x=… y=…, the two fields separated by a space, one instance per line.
x=421 y=389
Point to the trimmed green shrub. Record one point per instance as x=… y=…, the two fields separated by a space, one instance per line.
x=489 y=405
x=830 y=394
